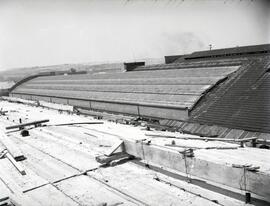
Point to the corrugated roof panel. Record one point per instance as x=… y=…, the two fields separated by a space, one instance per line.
x=244 y=104
x=177 y=88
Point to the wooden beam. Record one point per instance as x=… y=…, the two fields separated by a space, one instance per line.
x=35 y=123
x=209 y=147
x=17 y=165
x=254 y=182
x=115 y=147
x=203 y=138
x=75 y=123
x=11 y=147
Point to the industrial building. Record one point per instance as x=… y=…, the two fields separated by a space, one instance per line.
x=192 y=131
x=218 y=93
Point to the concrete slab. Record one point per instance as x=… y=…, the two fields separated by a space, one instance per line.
x=49 y=195
x=17 y=182
x=145 y=186
x=43 y=164
x=87 y=191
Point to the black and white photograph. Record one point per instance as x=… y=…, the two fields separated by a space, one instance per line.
x=134 y=102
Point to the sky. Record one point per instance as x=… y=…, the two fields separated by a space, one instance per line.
x=49 y=32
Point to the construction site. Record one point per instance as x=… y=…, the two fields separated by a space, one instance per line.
x=192 y=131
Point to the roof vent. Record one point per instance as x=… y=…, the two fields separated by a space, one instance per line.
x=172 y=58
x=132 y=65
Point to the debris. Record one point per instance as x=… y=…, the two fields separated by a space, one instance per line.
x=25 y=133
x=103 y=145
x=187 y=152
x=3 y=113
x=4 y=201
x=147 y=141
x=241 y=166
x=103 y=159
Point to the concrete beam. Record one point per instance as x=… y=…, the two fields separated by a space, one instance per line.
x=255 y=182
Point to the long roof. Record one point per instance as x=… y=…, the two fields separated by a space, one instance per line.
x=230 y=92
x=174 y=88
x=243 y=50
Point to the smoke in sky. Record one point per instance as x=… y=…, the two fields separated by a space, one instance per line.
x=47 y=32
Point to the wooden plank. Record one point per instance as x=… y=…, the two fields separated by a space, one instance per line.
x=28 y=124
x=74 y=123
x=72 y=154
x=13 y=195
x=116 y=146
x=17 y=182
x=47 y=167
x=17 y=165
x=203 y=138
x=11 y=147
x=196 y=147
x=2 y=148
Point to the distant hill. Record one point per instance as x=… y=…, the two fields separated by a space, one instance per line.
x=17 y=74
x=6 y=84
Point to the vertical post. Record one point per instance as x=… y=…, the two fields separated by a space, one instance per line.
x=241 y=144
x=248 y=197
x=254 y=142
